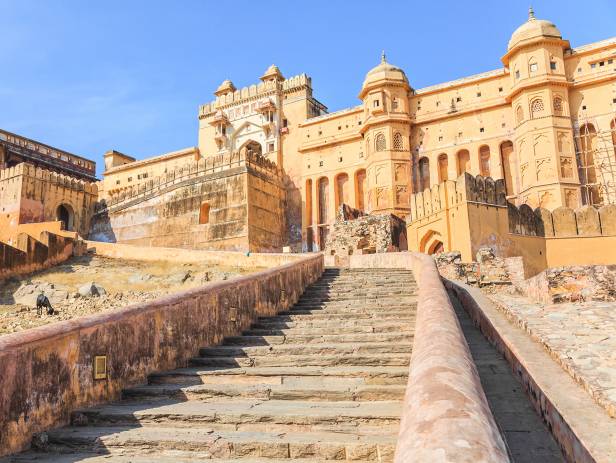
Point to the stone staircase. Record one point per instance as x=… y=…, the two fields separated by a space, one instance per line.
x=323 y=381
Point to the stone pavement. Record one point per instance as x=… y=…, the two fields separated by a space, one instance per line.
x=323 y=381
x=581 y=337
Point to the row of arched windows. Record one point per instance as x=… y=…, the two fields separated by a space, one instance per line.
x=464 y=165
x=537 y=107
x=342 y=195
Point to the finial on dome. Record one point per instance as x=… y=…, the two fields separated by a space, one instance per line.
x=383 y=58
x=531 y=14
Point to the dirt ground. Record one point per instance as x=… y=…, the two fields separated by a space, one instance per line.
x=124 y=282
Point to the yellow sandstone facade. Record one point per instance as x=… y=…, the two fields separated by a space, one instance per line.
x=544 y=124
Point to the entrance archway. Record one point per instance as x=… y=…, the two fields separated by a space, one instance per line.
x=65 y=214
x=251 y=147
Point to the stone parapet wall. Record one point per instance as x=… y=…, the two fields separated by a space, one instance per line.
x=203 y=167
x=563 y=221
x=450 y=193
x=47 y=372
x=27 y=254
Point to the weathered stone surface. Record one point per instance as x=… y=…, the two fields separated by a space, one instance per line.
x=91 y=289
x=355 y=233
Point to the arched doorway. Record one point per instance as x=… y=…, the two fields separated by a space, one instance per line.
x=65 y=214
x=508 y=164
x=443 y=166
x=360 y=189
x=251 y=147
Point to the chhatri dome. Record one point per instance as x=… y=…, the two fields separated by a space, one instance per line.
x=385 y=71
x=533 y=28
x=226 y=87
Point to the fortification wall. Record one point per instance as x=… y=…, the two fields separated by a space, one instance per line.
x=227 y=202
x=472 y=212
x=30 y=194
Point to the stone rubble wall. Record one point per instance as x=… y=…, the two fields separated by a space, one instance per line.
x=355 y=233
x=572 y=284
x=488 y=269
x=47 y=372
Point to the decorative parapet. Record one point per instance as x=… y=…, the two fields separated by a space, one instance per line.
x=253 y=92
x=466 y=188
x=563 y=221
x=204 y=166
x=66 y=181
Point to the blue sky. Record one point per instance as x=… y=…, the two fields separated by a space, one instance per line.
x=129 y=75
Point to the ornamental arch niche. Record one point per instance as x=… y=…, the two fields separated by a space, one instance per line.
x=464 y=162
x=443 y=166
x=323 y=200
x=379 y=142
x=360 y=189
x=484 y=161
x=508 y=164
x=424 y=173
x=342 y=189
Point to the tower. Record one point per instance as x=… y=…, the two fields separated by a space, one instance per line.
x=540 y=106
x=386 y=131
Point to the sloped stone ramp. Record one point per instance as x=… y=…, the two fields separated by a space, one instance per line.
x=321 y=382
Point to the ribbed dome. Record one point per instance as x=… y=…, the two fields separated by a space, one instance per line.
x=533 y=28
x=385 y=71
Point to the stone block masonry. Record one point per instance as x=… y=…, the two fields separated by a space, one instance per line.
x=47 y=372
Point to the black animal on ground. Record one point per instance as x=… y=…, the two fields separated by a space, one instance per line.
x=43 y=301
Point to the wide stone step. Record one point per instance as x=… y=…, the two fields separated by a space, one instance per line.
x=317 y=314
x=350 y=310
x=327 y=323
x=173 y=456
x=225 y=444
x=356 y=296
x=307 y=349
x=279 y=375
x=246 y=415
x=310 y=389
x=390 y=337
x=305 y=360
x=318 y=330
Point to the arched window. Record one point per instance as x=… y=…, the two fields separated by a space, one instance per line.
x=509 y=167
x=204 y=213
x=536 y=107
x=558 y=106
x=379 y=142
x=424 y=173
x=588 y=146
x=368 y=147
x=533 y=67
x=484 y=161
x=398 y=143
x=464 y=162
x=443 y=165
x=519 y=114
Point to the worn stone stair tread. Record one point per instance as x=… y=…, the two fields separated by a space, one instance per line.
x=346 y=370
x=241 y=412
x=201 y=438
x=328 y=389
x=368 y=328
x=307 y=360
x=321 y=348
x=167 y=456
x=316 y=339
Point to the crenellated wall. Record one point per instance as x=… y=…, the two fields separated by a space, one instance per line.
x=472 y=212
x=232 y=201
